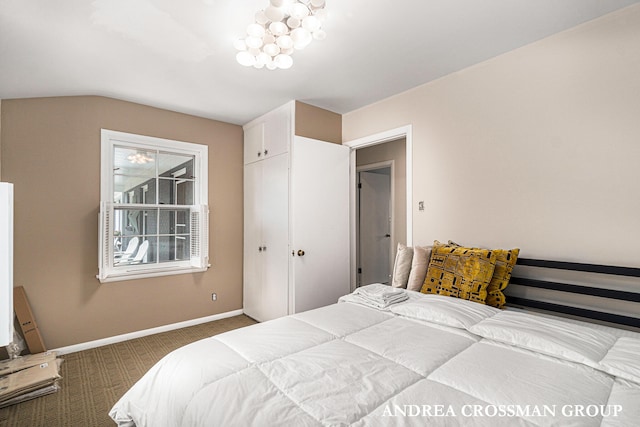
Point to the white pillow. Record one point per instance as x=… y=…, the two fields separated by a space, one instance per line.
x=419 y=264
x=550 y=336
x=444 y=310
x=623 y=359
x=402 y=266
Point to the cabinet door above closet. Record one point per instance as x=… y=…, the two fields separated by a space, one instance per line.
x=268 y=135
x=278 y=132
x=253 y=143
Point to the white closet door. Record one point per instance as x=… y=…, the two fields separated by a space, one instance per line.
x=319 y=223
x=252 y=266
x=275 y=237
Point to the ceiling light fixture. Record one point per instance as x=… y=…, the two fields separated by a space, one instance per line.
x=281 y=28
x=139 y=158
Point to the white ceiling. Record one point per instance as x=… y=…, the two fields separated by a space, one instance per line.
x=179 y=55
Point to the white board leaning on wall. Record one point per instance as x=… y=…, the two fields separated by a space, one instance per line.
x=6 y=263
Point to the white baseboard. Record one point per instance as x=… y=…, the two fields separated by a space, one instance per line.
x=138 y=334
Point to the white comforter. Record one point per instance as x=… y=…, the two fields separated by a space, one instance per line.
x=429 y=361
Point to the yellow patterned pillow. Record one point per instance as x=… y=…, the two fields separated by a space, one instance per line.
x=505 y=260
x=459 y=272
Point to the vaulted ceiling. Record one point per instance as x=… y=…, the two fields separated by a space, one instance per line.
x=179 y=55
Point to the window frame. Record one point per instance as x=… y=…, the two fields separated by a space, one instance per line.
x=199 y=212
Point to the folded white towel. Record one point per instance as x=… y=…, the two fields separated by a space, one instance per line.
x=359 y=299
x=377 y=296
x=385 y=301
x=379 y=291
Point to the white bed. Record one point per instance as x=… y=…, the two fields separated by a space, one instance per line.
x=431 y=360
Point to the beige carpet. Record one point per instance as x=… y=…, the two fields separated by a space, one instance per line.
x=93 y=380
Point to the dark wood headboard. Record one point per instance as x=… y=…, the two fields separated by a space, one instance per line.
x=598 y=292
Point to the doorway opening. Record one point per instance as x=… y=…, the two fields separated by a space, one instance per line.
x=374 y=217
x=362 y=153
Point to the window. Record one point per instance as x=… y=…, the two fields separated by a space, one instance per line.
x=153 y=207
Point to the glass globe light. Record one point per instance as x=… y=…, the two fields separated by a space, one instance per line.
x=278 y=28
x=301 y=38
x=311 y=23
x=263 y=58
x=321 y=14
x=271 y=49
x=261 y=18
x=282 y=27
x=268 y=38
x=285 y=42
x=255 y=30
x=299 y=11
x=293 y=22
x=283 y=61
x=274 y=14
x=253 y=42
x=245 y=58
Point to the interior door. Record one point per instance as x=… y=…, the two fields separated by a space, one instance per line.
x=375 y=227
x=319 y=224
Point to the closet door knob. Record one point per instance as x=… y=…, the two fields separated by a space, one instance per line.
x=259 y=153
x=266 y=152
x=300 y=252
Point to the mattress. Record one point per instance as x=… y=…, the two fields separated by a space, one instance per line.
x=430 y=360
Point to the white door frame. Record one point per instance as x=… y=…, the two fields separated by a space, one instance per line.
x=367 y=141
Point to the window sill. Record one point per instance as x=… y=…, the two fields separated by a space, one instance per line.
x=147 y=273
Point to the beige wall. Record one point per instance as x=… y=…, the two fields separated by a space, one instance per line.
x=318 y=123
x=392 y=150
x=51 y=152
x=537 y=148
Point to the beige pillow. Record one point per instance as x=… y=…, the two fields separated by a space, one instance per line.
x=419 y=264
x=402 y=266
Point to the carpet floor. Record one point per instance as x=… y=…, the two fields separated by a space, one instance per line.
x=93 y=380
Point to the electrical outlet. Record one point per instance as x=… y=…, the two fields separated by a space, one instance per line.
x=214 y=297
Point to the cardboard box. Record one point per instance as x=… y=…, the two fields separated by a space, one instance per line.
x=29 y=383
x=27 y=321
x=9 y=366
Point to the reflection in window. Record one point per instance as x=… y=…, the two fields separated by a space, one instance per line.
x=153 y=214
